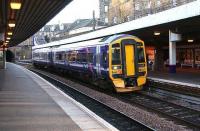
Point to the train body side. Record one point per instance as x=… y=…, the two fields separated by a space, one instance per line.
x=86 y=60
x=95 y=59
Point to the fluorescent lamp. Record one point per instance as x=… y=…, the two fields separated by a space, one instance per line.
x=190 y=40
x=15 y=5
x=7 y=41
x=9 y=33
x=156 y=33
x=11 y=24
x=8 y=38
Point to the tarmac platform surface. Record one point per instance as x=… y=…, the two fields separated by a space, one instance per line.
x=184 y=78
x=28 y=102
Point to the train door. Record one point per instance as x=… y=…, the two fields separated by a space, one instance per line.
x=129 y=58
x=98 y=66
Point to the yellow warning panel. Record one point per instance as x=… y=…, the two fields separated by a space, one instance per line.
x=119 y=83
x=130 y=66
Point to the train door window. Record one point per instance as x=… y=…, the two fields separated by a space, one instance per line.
x=84 y=57
x=116 y=54
x=141 y=57
x=49 y=56
x=59 y=56
x=104 y=57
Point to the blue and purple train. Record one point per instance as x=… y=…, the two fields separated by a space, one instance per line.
x=118 y=60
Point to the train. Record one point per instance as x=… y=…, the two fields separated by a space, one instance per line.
x=117 y=61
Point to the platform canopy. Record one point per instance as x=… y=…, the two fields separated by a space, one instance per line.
x=28 y=19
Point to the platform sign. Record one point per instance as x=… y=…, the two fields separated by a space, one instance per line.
x=174 y=37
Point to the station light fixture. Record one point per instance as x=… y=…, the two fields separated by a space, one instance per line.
x=9 y=33
x=7 y=41
x=156 y=33
x=190 y=40
x=15 y=5
x=11 y=24
x=8 y=38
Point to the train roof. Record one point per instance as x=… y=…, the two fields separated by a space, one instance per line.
x=76 y=40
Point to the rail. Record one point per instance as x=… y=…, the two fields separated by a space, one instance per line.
x=116 y=118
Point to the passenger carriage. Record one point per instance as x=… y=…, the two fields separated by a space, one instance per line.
x=118 y=59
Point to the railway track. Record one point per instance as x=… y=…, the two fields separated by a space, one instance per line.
x=182 y=89
x=117 y=119
x=188 y=101
x=184 y=115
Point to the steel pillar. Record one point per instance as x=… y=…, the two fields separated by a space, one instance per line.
x=172 y=51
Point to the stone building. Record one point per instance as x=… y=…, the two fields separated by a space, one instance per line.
x=103 y=9
x=119 y=11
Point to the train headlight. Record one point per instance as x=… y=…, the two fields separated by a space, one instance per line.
x=116 y=67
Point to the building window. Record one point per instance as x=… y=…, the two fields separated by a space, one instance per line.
x=115 y=20
x=106 y=20
x=137 y=6
x=148 y=6
x=128 y=18
x=174 y=2
x=106 y=8
x=158 y=3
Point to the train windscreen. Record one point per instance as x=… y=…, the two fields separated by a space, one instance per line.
x=141 y=57
x=116 y=54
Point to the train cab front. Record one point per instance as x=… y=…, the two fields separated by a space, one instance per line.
x=127 y=64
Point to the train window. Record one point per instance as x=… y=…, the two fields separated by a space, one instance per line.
x=141 y=57
x=104 y=57
x=72 y=56
x=67 y=57
x=58 y=56
x=79 y=57
x=63 y=56
x=90 y=57
x=84 y=57
x=49 y=56
x=116 y=54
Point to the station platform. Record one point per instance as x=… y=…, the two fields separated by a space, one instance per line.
x=184 y=78
x=28 y=102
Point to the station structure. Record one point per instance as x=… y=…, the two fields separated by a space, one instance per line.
x=171 y=38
